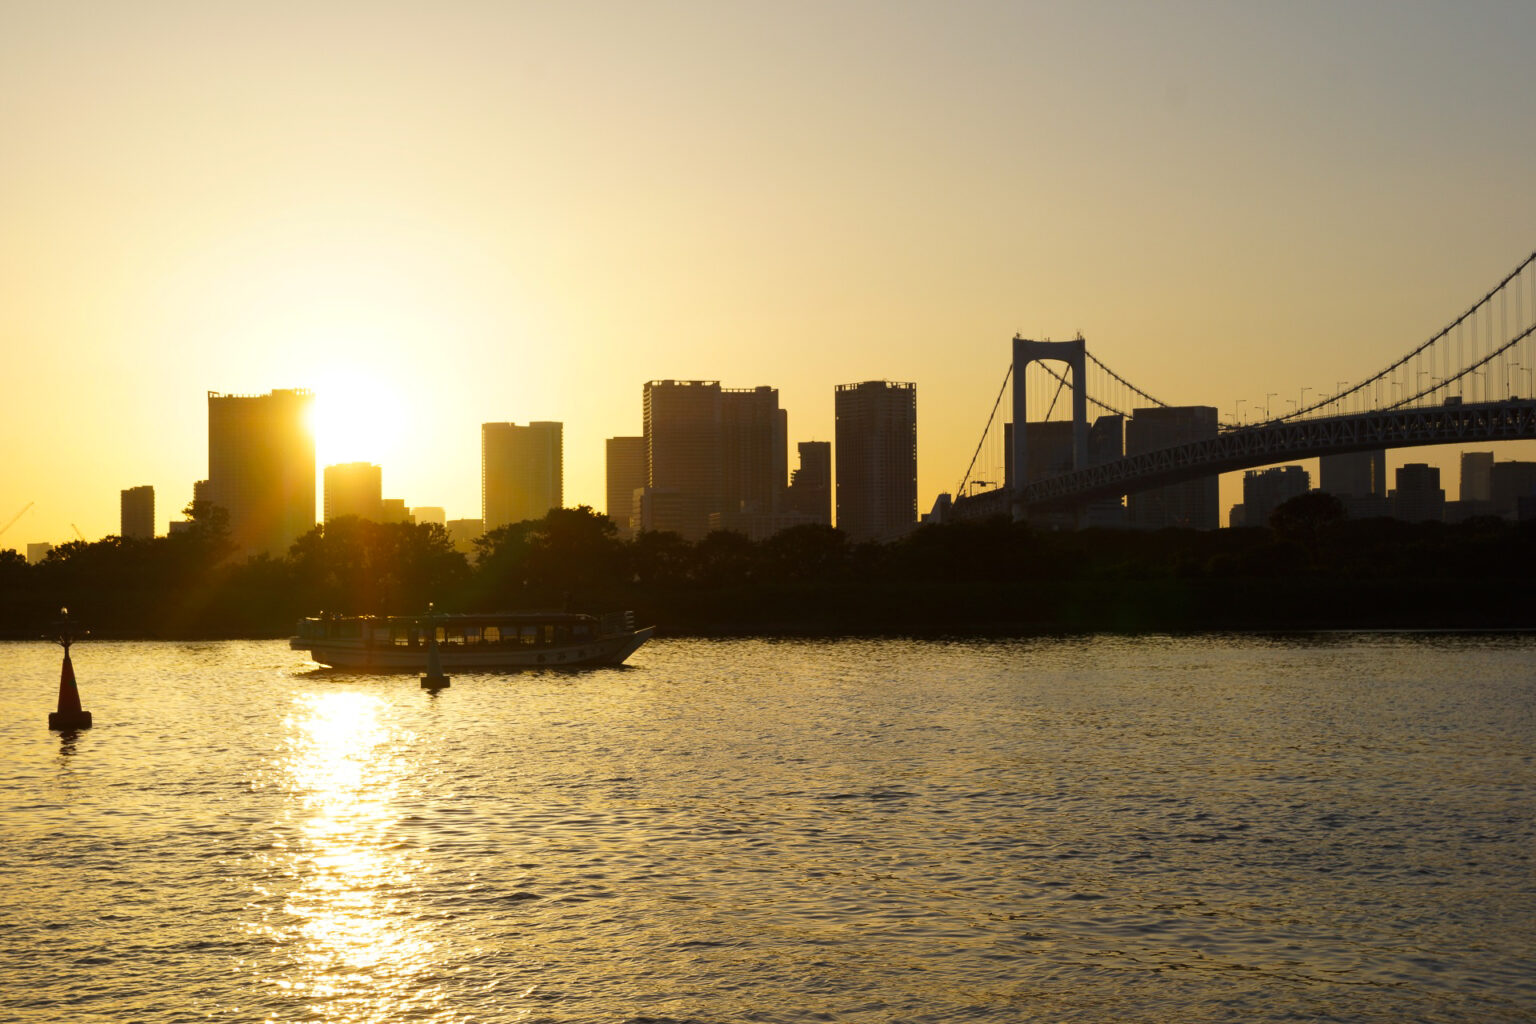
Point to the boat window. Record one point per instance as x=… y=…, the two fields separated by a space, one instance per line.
x=549 y=634
x=400 y=636
x=471 y=634
x=492 y=634
x=529 y=635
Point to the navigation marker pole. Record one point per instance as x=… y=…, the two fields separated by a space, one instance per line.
x=70 y=716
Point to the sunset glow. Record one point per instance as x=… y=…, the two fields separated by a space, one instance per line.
x=506 y=213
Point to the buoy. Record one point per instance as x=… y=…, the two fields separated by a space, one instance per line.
x=70 y=715
x=434 y=678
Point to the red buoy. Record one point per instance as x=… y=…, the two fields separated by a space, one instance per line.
x=70 y=715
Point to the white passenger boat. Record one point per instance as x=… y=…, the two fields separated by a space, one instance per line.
x=506 y=640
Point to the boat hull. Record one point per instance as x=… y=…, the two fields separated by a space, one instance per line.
x=358 y=654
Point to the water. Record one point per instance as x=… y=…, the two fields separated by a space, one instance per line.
x=1106 y=829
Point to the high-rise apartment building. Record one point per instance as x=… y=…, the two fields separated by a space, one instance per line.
x=682 y=449
x=261 y=467
x=521 y=471
x=624 y=463
x=876 y=435
x=1194 y=504
x=354 y=489
x=137 y=518
x=754 y=452
x=713 y=452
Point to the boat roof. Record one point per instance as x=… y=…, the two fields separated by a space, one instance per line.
x=463 y=618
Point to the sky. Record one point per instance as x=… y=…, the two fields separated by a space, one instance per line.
x=439 y=215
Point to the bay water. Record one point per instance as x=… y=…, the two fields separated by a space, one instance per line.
x=1336 y=827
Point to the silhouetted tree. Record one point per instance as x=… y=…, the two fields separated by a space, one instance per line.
x=661 y=558
x=1305 y=518
x=811 y=552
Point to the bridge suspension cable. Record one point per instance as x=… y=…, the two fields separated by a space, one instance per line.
x=1363 y=387
x=986 y=432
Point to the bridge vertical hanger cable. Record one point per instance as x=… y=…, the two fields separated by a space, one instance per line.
x=986 y=430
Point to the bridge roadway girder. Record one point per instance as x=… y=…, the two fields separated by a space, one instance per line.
x=1267 y=444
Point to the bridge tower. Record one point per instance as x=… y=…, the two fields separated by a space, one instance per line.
x=1074 y=354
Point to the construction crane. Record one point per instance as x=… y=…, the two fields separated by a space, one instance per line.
x=17 y=516
x=72 y=526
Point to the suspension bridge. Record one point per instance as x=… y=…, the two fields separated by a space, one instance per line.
x=1471 y=382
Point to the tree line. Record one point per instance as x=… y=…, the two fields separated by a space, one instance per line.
x=1310 y=567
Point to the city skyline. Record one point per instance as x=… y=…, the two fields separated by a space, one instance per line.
x=1232 y=205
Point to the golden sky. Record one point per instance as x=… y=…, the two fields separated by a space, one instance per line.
x=442 y=215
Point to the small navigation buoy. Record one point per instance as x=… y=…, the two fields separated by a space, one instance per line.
x=433 y=679
x=70 y=715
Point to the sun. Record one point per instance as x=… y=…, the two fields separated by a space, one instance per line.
x=355 y=418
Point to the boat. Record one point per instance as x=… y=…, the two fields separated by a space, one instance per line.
x=487 y=642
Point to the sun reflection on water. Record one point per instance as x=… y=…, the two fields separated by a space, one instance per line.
x=353 y=953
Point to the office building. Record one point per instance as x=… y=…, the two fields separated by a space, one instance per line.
x=521 y=471
x=462 y=534
x=261 y=467
x=1354 y=475
x=354 y=489
x=137 y=519
x=1265 y=490
x=1418 y=497
x=666 y=510
x=1476 y=476
x=435 y=515
x=810 y=486
x=1508 y=482
x=393 y=510
x=1358 y=480
x=876 y=437
x=624 y=465
x=1194 y=504
x=37 y=552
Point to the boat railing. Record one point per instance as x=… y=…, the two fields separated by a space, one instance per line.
x=616 y=622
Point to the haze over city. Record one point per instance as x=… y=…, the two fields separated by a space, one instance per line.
x=488 y=213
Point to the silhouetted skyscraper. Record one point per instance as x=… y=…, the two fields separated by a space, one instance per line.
x=682 y=450
x=810 y=486
x=876 y=459
x=1418 y=497
x=712 y=452
x=1477 y=476
x=261 y=467
x=1508 y=483
x=521 y=471
x=1265 y=490
x=1195 y=503
x=625 y=468
x=354 y=489
x=1354 y=475
x=137 y=513
x=754 y=451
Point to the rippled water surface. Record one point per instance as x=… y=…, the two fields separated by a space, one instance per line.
x=1105 y=829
